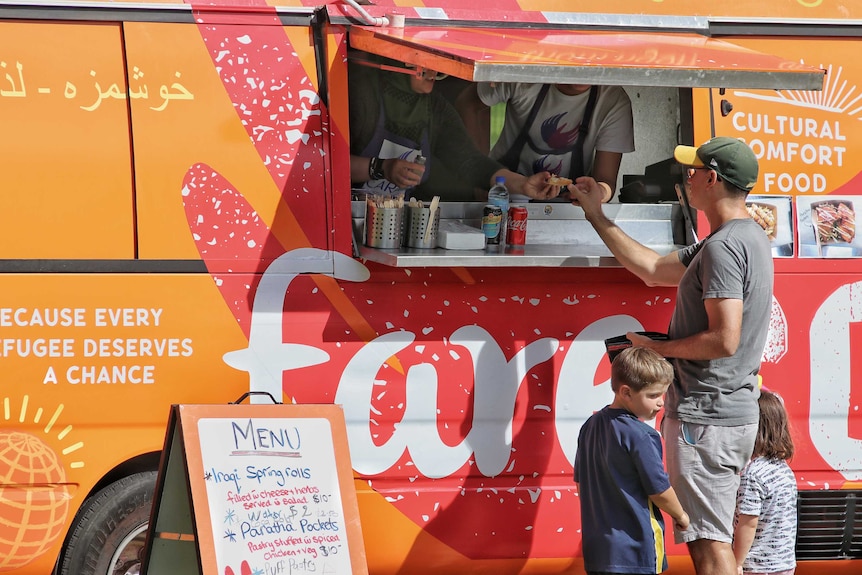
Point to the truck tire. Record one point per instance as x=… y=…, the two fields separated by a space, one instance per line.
x=108 y=535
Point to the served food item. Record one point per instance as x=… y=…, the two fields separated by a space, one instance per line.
x=763 y=214
x=559 y=181
x=834 y=221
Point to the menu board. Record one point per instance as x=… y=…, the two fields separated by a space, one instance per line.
x=270 y=488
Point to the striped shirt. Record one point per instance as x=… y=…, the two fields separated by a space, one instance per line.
x=768 y=490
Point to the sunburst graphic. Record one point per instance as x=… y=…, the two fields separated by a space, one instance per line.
x=34 y=501
x=837 y=96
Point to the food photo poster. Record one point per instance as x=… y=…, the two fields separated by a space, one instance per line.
x=774 y=214
x=827 y=226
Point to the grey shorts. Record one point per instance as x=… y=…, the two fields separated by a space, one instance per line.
x=703 y=462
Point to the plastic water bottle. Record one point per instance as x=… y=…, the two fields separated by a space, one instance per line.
x=420 y=159
x=498 y=195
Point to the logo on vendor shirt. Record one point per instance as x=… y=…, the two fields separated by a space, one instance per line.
x=547 y=163
x=555 y=134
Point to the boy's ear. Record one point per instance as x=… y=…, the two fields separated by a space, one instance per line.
x=625 y=390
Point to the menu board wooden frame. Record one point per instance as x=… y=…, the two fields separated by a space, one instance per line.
x=312 y=524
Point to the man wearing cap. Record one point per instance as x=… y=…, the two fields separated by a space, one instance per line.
x=716 y=338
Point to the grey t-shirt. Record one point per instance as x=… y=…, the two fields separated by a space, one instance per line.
x=734 y=262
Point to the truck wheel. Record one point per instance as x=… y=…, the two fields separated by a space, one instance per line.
x=108 y=535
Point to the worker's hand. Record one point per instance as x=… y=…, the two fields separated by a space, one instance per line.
x=558 y=184
x=402 y=173
x=537 y=187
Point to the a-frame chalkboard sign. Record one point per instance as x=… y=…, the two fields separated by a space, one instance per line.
x=255 y=489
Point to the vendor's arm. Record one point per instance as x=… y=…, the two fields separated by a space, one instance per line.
x=606 y=168
x=402 y=173
x=614 y=137
x=654 y=269
x=535 y=186
x=476 y=117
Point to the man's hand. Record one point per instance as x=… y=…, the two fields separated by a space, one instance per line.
x=639 y=340
x=588 y=194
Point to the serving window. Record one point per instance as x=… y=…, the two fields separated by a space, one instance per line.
x=658 y=71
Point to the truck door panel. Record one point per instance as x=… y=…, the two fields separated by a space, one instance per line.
x=65 y=166
x=227 y=129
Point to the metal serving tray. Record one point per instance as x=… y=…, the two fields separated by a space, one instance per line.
x=558 y=235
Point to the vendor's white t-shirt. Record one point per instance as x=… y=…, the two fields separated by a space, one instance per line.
x=558 y=121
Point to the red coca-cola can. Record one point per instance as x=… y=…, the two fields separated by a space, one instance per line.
x=516 y=228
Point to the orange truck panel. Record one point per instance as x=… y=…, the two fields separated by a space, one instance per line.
x=71 y=108
x=176 y=229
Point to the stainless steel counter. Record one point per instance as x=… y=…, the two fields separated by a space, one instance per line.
x=558 y=235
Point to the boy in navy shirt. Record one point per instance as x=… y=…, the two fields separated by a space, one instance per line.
x=621 y=479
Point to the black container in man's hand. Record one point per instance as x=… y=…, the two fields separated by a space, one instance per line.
x=615 y=345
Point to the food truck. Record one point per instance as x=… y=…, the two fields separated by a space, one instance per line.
x=178 y=227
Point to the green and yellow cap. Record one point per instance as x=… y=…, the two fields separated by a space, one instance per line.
x=731 y=159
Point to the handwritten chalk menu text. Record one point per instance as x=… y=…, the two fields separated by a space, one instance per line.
x=274 y=497
x=255 y=490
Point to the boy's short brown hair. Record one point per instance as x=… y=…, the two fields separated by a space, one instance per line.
x=639 y=367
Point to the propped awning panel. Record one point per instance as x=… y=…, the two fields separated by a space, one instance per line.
x=586 y=57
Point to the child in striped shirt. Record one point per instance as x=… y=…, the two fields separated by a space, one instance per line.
x=764 y=538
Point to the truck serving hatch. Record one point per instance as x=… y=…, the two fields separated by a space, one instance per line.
x=567 y=56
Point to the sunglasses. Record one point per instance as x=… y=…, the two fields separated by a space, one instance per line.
x=691 y=171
